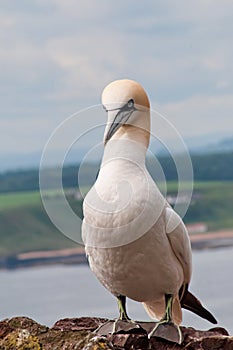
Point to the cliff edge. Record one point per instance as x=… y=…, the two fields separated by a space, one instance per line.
x=22 y=333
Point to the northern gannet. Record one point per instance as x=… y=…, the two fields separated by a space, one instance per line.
x=137 y=245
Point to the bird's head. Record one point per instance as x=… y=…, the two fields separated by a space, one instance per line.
x=128 y=109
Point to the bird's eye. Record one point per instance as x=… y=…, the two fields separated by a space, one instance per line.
x=130 y=103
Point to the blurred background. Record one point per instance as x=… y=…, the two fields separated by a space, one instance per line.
x=56 y=57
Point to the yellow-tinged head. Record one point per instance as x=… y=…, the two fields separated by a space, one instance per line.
x=128 y=110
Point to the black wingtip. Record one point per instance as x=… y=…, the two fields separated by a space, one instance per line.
x=191 y=303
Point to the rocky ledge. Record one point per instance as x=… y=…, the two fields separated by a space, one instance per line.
x=22 y=333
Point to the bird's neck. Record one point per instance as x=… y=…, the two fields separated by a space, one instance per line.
x=139 y=134
x=125 y=149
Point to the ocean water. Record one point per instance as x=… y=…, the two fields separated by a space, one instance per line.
x=48 y=294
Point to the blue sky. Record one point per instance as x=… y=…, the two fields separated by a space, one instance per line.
x=56 y=56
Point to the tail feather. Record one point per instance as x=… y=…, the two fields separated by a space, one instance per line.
x=191 y=303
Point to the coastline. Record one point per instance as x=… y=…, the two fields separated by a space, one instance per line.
x=200 y=241
x=212 y=239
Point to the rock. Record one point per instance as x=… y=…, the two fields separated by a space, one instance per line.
x=5 y=329
x=22 y=333
x=79 y=324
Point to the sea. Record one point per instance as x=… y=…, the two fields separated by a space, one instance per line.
x=47 y=294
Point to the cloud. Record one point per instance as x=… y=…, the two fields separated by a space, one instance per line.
x=56 y=56
x=200 y=115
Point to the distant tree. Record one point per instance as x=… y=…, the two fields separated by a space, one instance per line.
x=206 y=167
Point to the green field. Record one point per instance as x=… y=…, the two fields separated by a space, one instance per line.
x=19 y=199
x=212 y=205
x=25 y=226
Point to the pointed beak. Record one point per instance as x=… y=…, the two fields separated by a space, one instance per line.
x=120 y=119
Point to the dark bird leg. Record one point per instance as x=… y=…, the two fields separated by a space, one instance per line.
x=121 y=301
x=166 y=328
x=122 y=324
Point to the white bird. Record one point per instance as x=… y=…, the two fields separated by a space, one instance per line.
x=137 y=245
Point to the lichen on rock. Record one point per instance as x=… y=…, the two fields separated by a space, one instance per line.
x=20 y=340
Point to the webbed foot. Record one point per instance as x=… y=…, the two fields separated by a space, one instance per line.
x=119 y=326
x=167 y=330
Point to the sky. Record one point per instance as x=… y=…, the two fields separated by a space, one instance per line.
x=56 y=57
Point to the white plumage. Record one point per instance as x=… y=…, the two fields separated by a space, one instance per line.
x=137 y=245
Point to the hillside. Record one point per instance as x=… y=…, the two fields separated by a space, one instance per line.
x=211 y=203
x=25 y=226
